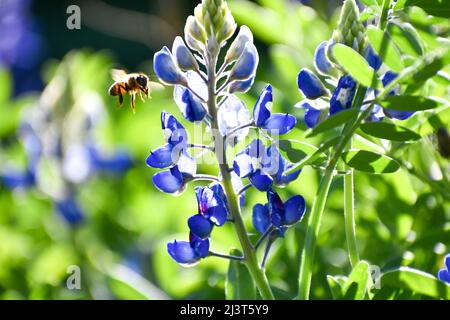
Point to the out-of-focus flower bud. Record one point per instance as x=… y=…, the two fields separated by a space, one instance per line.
x=321 y=61
x=166 y=69
x=183 y=57
x=234 y=52
x=246 y=65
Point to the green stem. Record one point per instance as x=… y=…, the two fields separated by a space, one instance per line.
x=312 y=232
x=349 y=217
x=250 y=259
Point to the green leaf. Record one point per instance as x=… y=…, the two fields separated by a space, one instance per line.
x=239 y=284
x=335 y=287
x=124 y=291
x=408 y=103
x=383 y=46
x=295 y=151
x=438 y=8
x=358 y=282
x=370 y=3
x=406 y=38
x=368 y=161
x=389 y=131
x=355 y=65
x=416 y=281
x=334 y=121
x=315 y=158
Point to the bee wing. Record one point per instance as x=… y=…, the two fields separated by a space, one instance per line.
x=155 y=86
x=118 y=74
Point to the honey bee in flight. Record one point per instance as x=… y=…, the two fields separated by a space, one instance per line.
x=133 y=84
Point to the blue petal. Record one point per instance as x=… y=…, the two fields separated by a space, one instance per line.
x=261 y=181
x=444 y=275
x=176 y=133
x=245 y=66
x=342 y=97
x=279 y=123
x=187 y=165
x=309 y=84
x=218 y=215
x=169 y=181
x=295 y=208
x=200 y=246
x=166 y=69
x=70 y=211
x=163 y=157
x=321 y=62
x=372 y=58
x=242 y=164
x=117 y=163
x=276 y=208
x=14 y=180
x=200 y=226
x=183 y=56
x=261 y=110
x=190 y=106
x=311 y=116
x=287 y=178
x=232 y=114
x=182 y=252
x=394 y=114
x=241 y=86
x=261 y=218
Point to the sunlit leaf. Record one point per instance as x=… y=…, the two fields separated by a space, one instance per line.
x=389 y=131
x=438 y=8
x=355 y=65
x=368 y=161
x=408 y=103
x=358 y=282
x=406 y=38
x=416 y=281
x=382 y=44
x=334 y=121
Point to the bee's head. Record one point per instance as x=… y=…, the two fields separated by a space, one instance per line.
x=142 y=81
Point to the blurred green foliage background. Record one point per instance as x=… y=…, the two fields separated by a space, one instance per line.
x=120 y=246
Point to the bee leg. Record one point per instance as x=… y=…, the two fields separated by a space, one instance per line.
x=133 y=103
x=120 y=99
x=142 y=97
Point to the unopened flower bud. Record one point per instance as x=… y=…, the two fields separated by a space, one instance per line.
x=183 y=56
x=237 y=46
x=247 y=63
x=166 y=69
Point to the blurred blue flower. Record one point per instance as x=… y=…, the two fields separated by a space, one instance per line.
x=188 y=253
x=18 y=180
x=444 y=274
x=276 y=123
x=118 y=162
x=277 y=213
x=69 y=210
x=20 y=46
x=310 y=85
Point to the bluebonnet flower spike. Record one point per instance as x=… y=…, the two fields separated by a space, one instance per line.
x=444 y=274
x=310 y=85
x=166 y=69
x=188 y=253
x=274 y=123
